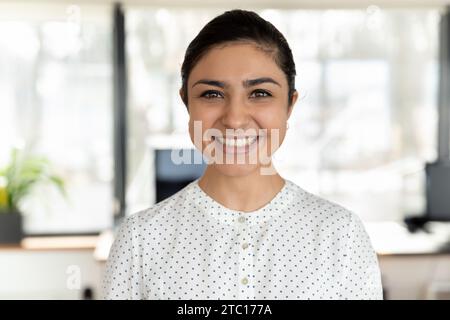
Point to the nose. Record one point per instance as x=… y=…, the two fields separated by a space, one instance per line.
x=235 y=115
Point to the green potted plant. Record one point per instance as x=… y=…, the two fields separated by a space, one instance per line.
x=18 y=178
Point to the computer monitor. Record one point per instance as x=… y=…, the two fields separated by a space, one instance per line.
x=438 y=191
x=172 y=176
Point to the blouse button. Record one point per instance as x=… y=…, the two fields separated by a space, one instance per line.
x=245 y=245
x=241 y=219
x=244 y=281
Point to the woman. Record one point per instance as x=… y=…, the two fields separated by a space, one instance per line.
x=241 y=231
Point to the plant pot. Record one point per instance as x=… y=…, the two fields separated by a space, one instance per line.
x=10 y=228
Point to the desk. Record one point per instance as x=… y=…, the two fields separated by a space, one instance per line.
x=413 y=265
x=49 y=268
x=54 y=243
x=393 y=238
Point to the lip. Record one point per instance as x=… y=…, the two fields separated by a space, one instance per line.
x=238 y=149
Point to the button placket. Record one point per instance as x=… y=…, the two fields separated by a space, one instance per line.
x=246 y=276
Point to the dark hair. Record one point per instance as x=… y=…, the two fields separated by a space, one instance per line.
x=234 y=26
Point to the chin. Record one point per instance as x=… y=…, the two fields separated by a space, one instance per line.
x=237 y=170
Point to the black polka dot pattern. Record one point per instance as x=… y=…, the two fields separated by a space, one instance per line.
x=298 y=246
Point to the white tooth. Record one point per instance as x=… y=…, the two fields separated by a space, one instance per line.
x=230 y=142
x=240 y=142
x=250 y=140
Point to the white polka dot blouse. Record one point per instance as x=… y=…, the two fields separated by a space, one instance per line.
x=189 y=246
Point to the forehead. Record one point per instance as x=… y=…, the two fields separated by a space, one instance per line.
x=236 y=62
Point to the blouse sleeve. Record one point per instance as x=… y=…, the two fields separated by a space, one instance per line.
x=361 y=278
x=122 y=271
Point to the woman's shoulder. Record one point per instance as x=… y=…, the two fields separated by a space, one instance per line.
x=171 y=206
x=319 y=207
x=327 y=217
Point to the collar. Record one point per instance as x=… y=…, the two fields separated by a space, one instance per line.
x=211 y=207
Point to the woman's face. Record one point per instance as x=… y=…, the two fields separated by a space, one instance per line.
x=238 y=108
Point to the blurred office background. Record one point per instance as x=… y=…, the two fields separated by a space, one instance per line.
x=93 y=87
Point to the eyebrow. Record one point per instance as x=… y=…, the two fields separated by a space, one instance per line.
x=245 y=83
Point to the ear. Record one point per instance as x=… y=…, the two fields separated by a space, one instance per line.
x=181 y=93
x=294 y=100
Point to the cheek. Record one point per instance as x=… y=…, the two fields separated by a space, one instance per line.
x=199 y=121
x=274 y=139
x=272 y=119
x=202 y=113
x=275 y=124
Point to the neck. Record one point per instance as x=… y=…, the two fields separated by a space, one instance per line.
x=242 y=193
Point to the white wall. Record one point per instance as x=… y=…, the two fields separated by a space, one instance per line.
x=29 y=274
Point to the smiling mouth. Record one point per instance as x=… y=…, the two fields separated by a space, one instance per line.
x=237 y=145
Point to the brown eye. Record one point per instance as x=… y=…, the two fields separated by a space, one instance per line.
x=261 y=94
x=210 y=94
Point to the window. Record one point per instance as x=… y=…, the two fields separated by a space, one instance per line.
x=367 y=121
x=55 y=93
